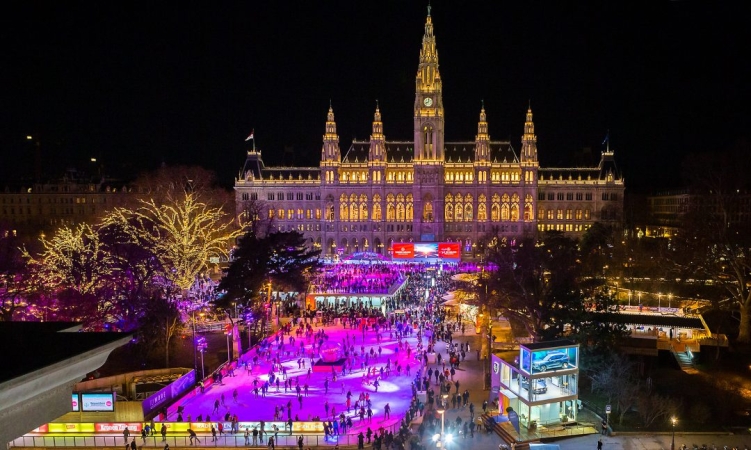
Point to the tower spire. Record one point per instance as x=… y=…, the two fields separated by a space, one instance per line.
x=482 y=140
x=429 y=120
x=377 y=151
x=330 y=152
x=529 y=139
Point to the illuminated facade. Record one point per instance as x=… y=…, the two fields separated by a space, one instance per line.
x=428 y=189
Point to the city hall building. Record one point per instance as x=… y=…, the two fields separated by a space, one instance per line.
x=425 y=188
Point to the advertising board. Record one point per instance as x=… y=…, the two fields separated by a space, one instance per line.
x=425 y=250
x=169 y=393
x=449 y=250
x=402 y=250
x=553 y=360
x=117 y=427
x=70 y=428
x=75 y=403
x=95 y=402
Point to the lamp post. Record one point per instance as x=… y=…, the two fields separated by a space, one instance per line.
x=673 y=420
x=201 y=348
x=441 y=439
x=670 y=298
x=659 y=301
x=195 y=357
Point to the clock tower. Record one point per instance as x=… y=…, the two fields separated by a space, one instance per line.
x=428 y=125
x=428 y=162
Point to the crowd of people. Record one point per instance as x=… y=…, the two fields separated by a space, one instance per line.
x=353 y=278
x=376 y=344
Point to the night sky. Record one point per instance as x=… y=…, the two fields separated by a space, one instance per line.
x=135 y=84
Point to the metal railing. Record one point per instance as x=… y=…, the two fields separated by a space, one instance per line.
x=225 y=440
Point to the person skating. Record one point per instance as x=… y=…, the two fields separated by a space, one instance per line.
x=192 y=436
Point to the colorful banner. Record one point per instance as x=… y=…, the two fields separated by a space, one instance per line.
x=426 y=250
x=307 y=427
x=175 y=427
x=403 y=250
x=168 y=394
x=449 y=250
x=97 y=402
x=70 y=428
x=117 y=427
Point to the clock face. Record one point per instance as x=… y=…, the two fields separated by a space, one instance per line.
x=427 y=101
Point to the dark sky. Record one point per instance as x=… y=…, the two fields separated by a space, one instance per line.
x=138 y=83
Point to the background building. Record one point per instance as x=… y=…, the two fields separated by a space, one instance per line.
x=43 y=206
x=427 y=188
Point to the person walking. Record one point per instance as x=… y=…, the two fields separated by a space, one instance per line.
x=599 y=444
x=126 y=433
x=247 y=437
x=299 y=442
x=213 y=433
x=133 y=445
x=164 y=433
x=271 y=442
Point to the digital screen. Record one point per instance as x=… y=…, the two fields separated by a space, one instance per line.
x=449 y=250
x=403 y=250
x=74 y=402
x=426 y=250
x=97 y=402
x=553 y=360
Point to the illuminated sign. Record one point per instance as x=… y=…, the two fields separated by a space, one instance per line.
x=426 y=250
x=169 y=393
x=74 y=402
x=97 y=402
x=117 y=427
x=449 y=250
x=403 y=251
x=307 y=427
x=70 y=428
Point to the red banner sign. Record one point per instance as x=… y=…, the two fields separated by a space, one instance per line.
x=403 y=250
x=117 y=427
x=449 y=250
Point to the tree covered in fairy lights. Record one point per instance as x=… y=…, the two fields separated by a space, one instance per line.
x=183 y=235
x=75 y=265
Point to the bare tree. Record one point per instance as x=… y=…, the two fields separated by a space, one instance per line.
x=653 y=407
x=615 y=378
x=716 y=241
